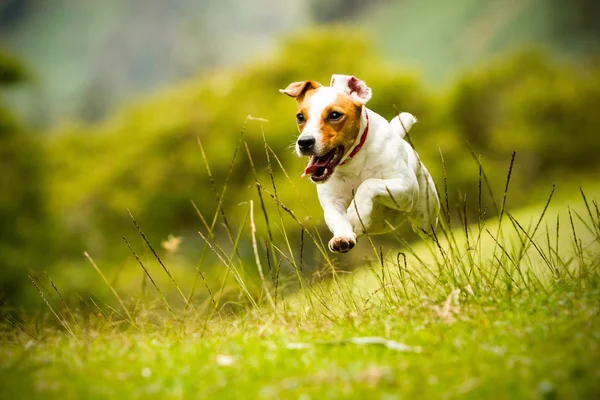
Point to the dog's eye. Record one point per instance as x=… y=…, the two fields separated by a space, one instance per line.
x=334 y=116
x=300 y=118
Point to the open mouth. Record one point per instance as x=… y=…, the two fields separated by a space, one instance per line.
x=321 y=168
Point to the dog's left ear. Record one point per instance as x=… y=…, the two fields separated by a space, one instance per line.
x=354 y=87
x=297 y=89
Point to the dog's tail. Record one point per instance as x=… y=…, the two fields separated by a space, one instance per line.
x=402 y=123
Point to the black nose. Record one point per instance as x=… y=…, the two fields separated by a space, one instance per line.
x=306 y=144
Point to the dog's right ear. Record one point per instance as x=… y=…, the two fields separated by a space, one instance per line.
x=297 y=89
x=353 y=87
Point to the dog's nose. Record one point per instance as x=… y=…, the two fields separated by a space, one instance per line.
x=306 y=144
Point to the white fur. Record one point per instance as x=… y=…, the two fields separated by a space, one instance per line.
x=323 y=97
x=356 y=198
x=401 y=124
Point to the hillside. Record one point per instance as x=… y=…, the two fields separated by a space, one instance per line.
x=517 y=318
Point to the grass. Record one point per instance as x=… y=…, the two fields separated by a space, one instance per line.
x=530 y=348
x=501 y=308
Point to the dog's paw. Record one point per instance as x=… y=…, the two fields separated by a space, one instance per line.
x=342 y=244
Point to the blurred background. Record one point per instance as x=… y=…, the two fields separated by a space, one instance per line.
x=103 y=106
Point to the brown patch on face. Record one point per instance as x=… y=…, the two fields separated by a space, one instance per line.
x=303 y=105
x=341 y=131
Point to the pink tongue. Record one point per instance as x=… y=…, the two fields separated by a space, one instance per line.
x=314 y=164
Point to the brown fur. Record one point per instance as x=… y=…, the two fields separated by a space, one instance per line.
x=298 y=89
x=343 y=132
x=303 y=105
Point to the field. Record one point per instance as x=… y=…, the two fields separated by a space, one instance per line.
x=492 y=309
x=156 y=241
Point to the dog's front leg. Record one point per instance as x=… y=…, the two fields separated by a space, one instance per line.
x=334 y=206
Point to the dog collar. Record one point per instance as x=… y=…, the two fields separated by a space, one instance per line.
x=361 y=142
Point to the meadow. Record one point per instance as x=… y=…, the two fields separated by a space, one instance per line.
x=504 y=307
x=172 y=251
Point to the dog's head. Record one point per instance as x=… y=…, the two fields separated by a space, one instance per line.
x=328 y=119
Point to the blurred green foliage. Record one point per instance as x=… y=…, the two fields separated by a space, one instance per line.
x=23 y=214
x=12 y=70
x=537 y=107
x=147 y=159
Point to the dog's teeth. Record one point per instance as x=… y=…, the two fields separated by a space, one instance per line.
x=326 y=171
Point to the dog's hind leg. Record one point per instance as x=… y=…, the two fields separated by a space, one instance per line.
x=379 y=203
x=425 y=213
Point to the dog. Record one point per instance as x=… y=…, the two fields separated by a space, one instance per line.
x=369 y=179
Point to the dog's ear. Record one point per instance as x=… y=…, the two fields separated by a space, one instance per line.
x=297 y=89
x=354 y=87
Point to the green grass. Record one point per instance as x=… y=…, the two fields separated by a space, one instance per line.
x=500 y=310
x=527 y=348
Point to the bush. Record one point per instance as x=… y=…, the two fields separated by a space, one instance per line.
x=533 y=105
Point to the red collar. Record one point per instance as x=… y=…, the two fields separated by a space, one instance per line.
x=360 y=144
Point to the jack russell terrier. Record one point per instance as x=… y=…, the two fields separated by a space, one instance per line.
x=369 y=178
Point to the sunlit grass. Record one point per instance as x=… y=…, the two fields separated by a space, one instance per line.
x=491 y=308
